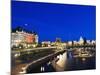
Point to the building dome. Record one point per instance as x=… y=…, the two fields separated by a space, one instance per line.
x=81 y=38
x=81 y=41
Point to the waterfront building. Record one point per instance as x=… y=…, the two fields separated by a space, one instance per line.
x=58 y=40
x=75 y=42
x=24 y=38
x=17 y=38
x=52 y=43
x=93 y=42
x=36 y=38
x=46 y=44
x=88 y=42
x=81 y=41
x=29 y=38
x=70 y=43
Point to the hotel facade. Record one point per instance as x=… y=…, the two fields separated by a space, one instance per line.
x=23 y=38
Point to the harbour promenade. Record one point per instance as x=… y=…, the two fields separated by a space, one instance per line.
x=41 y=55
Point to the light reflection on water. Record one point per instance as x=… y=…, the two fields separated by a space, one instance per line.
x=66 y=62
x=61 y=63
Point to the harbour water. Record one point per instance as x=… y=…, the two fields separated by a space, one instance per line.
x=66 y=62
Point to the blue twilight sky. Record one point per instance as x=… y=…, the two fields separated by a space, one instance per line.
x=50 y=21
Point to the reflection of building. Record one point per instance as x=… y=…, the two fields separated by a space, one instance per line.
x=20 y=37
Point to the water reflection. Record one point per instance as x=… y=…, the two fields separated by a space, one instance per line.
x=61 y=63
x=66 y=62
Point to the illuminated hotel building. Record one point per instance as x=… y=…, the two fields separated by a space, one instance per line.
x=19 y=36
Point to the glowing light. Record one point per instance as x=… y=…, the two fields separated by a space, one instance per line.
x=26 y=24
x=83 y=59
x=42 y=68
x=49 y=63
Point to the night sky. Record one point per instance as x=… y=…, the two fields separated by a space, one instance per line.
x=50 y=21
